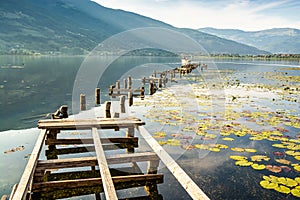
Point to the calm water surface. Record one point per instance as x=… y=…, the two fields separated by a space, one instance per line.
x=30 y=87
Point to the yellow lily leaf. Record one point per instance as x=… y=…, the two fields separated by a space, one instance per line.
x=201 y=146
x=279 y=145
x=291 y=182
x=258 y=158
x=238 y=157
x=214 y=149
x=227 y=139
x=295 y=192
x=237 y=149
x=297 y=168
x=243 y=163
x=250 y=150
x=258 y=167
x=283 y=189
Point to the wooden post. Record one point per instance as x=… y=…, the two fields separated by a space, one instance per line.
x=129 y=82
x=97 y=96
x=107 y=109
x=150 y=88
x=111 y=89
x=154 y=73
x=130 y=98
x=130 y=134
x=116 y=115
x=122 y=104
x=165 y=80
x=144 y=80
x=142 y=92
x=125 y=83
x=159 y=83
x=82 y=102
x=118 y=86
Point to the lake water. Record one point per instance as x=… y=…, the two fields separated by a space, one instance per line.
x=30 y=87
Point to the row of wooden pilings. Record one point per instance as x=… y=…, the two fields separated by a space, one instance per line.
x=154 y=82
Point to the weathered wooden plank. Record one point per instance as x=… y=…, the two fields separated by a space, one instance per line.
x=90 y=182
x=72 y=150
x=87 y=124
x=69 y=141
x=92 y=161
x=83 y=120
x=108 y=185
x=61 y=194
x=187 y=183
x=27 y=176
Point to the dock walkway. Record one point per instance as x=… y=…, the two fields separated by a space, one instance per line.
x=90 y=169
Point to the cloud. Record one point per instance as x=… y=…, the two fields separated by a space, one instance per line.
x=239 y=14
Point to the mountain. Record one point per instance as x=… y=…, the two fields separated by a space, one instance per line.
x=77 y=26
x=276 y=40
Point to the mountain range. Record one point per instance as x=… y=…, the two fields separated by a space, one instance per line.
x=78 y=26
x=276 y=40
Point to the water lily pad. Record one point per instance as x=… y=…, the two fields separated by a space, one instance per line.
x=278 y=153
x=221 y=146
x=228 y=139
x=286 y=169
x=237 y=149
x=258 y=167
x=259 y=158
x=162 y=142
x=279 y=145
x=295 y=192
x=214 y=149
x=201 y=146
x=297 y=168
x=243 y=163
x=159 y=135
x=268 y=185
x=291 y=182
x=283 y=161
x=283 y=189
x=251 y=150
x=173 y=142
x=274 y=168
x=238 y=157
x=282 y=180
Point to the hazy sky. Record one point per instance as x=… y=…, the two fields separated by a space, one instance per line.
x=240 y=14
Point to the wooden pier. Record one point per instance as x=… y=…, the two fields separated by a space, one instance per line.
x=82 y=166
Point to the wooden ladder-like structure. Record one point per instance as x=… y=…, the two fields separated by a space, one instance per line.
x=38 y=179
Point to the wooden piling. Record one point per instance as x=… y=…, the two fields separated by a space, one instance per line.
x=97 y=96
x=142 y=92
x=107 y=109
x=118 y=86
x=82 y=102
x=125 y=83
x=129 y=82
x=130 y=98
x=116 y=115
x=111 y=89
x=159 y=83
x=144 y=80
x=122 y=104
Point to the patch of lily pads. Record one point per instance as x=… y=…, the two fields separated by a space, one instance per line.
x=282 y=184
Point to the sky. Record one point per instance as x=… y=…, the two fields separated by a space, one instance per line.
x=248 y=15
